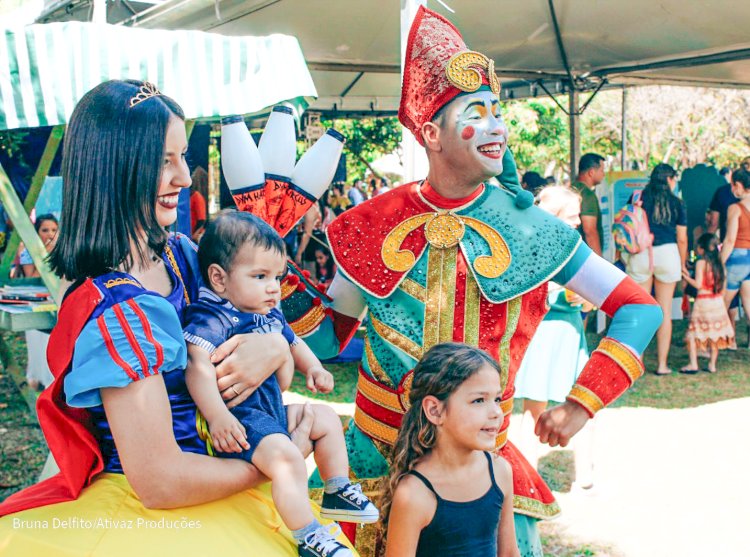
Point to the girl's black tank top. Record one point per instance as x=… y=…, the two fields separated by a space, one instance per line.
x=461 y=529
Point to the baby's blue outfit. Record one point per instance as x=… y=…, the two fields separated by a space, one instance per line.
x=211 y=321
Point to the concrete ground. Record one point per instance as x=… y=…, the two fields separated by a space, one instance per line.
x=666 y=482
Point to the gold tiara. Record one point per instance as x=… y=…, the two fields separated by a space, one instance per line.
x=146 y=91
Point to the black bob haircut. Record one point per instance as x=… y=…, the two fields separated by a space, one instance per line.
x=589 y=161
x=113 y=156
x=227 y=233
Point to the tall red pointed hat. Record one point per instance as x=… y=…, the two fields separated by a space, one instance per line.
x=438 y=67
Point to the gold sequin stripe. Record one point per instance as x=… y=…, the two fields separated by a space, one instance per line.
x=471 y=311
x=373 y=428
x=414 y=289
x=501 y=439
x=535 y=509
x=406 y=345
x=378 y=395
x=376 y=369
x=441 y=295
x=506 y=406
x=622 y=356
x=309 y=321
x=586 y=398
x=176 y=269
x=288 y=289
x=513 y=312
x=203 y=434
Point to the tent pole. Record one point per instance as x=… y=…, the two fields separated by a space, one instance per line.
x=575 y=131
x=624 y=141
x=409 y=146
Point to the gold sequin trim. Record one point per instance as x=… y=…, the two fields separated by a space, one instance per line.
x=201 y=425
x=501 y=439
x=448 y=295
x=378 y=395
x=535 y=509
x=506 y=406
x=413 y=289
x=309 y=321
x=287 y=289
x=511 y=323
x=587 y=398
x=374 y=428
x=176 y=269
x=395 y=338
x=441 y=296
x=111 y=283
x=493 y=265
x=471 y=311
x=628 y=361
x=463 y=71
x=374 y=366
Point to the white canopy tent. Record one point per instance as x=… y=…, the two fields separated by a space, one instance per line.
x=573 y=47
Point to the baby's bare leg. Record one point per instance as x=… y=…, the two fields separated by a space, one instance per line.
x=330 y=448
x=281 y=461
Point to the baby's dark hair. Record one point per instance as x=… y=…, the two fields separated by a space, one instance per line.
x=228 y=232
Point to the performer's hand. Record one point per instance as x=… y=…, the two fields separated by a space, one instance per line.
x=319 y=380
x=557 y=425
x=300 y=418
x=245 y=361
x=228 y=434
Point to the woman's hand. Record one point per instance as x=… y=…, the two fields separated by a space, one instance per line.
x=245 y=361
x=300 y=418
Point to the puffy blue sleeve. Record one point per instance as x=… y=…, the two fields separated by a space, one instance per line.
x=129 y=341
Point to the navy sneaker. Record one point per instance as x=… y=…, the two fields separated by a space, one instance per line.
x=322 y=543
x=349 y=504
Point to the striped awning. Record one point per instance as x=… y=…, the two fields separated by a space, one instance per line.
x=46 y=69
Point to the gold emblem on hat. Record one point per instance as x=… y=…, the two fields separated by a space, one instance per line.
x=463 y=71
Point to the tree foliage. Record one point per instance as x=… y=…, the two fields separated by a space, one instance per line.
x=367 y=140
x=682 y=126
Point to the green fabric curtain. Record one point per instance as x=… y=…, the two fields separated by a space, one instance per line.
x=50 y=67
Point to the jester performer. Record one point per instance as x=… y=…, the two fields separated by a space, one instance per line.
x=452 y=258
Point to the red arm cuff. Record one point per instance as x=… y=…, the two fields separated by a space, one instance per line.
x=609 y=372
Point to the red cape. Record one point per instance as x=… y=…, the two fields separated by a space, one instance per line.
x=67 y=430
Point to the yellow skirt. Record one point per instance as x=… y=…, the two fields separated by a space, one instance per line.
x=108 y=520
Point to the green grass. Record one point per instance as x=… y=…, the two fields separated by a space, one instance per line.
x=22 y=447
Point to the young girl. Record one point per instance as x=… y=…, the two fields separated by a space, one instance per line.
x=46 y=227
x=445 y=494
x=325 y=267
x=710 y=328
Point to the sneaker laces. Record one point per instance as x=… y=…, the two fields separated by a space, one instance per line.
x=324 y=539
x=353 y=492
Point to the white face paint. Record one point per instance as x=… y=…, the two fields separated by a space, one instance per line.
x=474 y=135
